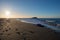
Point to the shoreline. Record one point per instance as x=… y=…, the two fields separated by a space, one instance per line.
x=17 y=30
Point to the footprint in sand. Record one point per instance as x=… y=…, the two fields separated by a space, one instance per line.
x=1 y=24
x=1 y=33
x=8 y=21
x=0 y=29
x=6 y=30
x=0 y=39
x=8 y=34
x=18 y=33
x=16 y=29
x=23 y=35
x=31 y=31
x=9 y=28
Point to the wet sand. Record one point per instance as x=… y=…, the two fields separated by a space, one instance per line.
x=11 y=29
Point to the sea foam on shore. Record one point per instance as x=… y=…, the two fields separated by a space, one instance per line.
x=36 y=21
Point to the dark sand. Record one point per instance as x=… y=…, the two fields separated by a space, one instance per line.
x=12 y=29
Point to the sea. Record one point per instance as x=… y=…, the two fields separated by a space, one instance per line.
x=54 y=20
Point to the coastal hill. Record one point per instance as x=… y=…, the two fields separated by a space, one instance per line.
x=12 y=29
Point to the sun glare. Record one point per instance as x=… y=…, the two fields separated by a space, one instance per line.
x=7 y=13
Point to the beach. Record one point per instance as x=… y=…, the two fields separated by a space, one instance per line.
x=12 y=29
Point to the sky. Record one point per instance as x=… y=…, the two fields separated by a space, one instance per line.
x=31 y=8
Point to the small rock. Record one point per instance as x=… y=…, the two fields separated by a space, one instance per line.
x=40 y=25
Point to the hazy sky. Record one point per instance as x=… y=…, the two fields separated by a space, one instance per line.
x=29 y=8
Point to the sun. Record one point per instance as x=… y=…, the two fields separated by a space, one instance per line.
x=7 y=13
